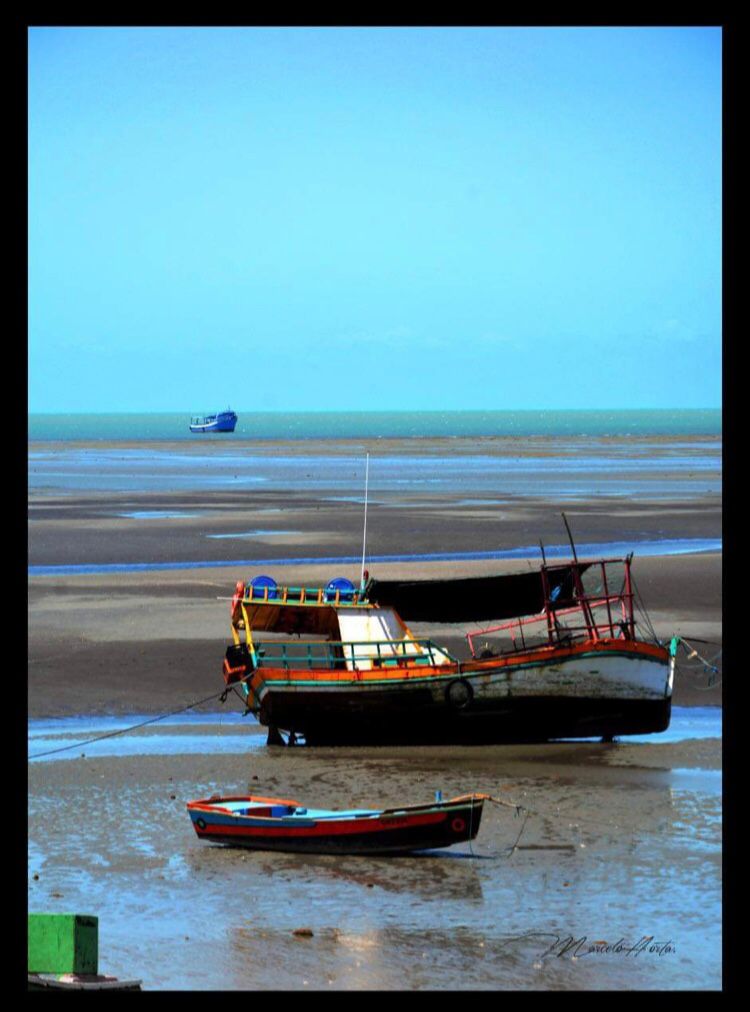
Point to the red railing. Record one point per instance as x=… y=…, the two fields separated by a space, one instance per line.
x=618 y=623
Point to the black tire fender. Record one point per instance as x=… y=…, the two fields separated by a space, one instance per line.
x=459 y=694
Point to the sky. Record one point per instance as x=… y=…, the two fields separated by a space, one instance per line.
x=374 y=218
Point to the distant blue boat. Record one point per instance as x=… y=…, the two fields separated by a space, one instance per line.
x=224 y=421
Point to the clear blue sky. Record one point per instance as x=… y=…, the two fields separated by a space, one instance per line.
x=300 y=219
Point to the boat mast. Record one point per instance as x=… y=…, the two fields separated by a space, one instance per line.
x=585 y=606
x=364 y=533
x=570 y=538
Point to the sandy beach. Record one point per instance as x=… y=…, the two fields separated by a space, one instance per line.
x=603 y=824
x=148 y=641
x=612 y=843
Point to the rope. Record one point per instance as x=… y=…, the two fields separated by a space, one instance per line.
x=513 y=849
x=519 y=809
x=707 y=688
x=593 y=822
x=471 y=825
x=708 y=666
x=642 y=609
x=710 y=643
x=126 y=730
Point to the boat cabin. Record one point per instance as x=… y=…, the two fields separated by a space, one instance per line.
x=342 y=629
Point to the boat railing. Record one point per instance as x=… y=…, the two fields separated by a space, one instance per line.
x=617 y=623
x=302 y=595
x=335 y=655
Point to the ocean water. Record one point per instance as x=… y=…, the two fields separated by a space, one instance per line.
x=568 y=468
x=270 y=425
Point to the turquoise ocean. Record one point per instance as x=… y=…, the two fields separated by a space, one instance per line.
x=559 y=455
x=268 y=425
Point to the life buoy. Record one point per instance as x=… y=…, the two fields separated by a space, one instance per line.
x=458 y=825
x=459 y=694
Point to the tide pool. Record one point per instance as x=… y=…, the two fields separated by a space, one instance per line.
x=668 y=546
x=231 y=733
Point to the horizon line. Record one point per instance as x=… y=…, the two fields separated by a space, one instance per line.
x=371 y=411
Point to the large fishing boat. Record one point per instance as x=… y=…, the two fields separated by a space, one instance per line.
x=338 y=664
x=223 y=421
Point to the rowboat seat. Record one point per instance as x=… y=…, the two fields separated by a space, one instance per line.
x=269 y=811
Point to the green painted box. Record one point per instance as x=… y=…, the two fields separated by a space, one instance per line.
x=63 y=943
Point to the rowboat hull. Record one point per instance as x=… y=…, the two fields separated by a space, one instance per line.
x=389 y=832
x=602 y=689
x=73 y=982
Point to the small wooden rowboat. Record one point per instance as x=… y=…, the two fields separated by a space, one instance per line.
x=80 y=982
x=276 y=824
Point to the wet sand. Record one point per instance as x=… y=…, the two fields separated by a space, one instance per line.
x=149 y=641
x=614 y=843
x=227 y=525
x=152 y=642
x=622 y=841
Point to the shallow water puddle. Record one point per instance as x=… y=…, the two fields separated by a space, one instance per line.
x=667 y=546
x=250 y=534
x=156 y=515
x=232 y=733
x=688 y=722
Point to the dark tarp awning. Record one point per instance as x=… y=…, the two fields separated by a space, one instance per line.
x=473 y=599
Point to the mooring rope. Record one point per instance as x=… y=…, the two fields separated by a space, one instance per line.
x=519 y=808
x=513 y=849
x=642 y=609
x=582 y=819
x=709 y=666
x=126 y=730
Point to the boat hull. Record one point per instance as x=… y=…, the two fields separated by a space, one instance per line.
x=518 y=722
x=389 y=833
x=92 y=982
x=214 y=427
x=224 y=422
x=595 y=690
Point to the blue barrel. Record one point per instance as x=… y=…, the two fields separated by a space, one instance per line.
x=259 y=584
x=345 y=588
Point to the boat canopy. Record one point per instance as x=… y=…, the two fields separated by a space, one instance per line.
x=294 y=620
x=478 y=598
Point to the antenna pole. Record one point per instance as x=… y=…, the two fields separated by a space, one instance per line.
x=570 y=537
x=578 y=584
x=364 y=533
